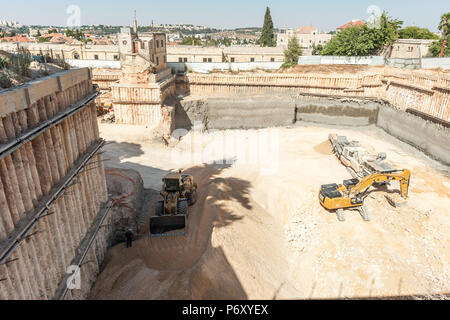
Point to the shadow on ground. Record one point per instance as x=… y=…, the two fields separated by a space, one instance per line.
x=188 y=267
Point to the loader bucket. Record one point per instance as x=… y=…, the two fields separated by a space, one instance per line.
x=168 y=226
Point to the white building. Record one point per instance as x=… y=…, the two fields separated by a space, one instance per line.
x=308 y=36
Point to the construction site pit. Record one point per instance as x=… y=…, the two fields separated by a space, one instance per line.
x=258 y=230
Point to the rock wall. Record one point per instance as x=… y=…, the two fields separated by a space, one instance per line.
x=52 y=186
x=431 y=138
x=126 y=190
x=262 y=112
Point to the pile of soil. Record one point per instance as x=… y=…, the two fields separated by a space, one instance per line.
x=324 y=148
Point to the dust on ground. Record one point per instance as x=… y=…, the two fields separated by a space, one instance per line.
x=262 y=234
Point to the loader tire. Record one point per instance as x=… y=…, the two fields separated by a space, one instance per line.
x=159 y=208
x=192 y=197
x=182 y=207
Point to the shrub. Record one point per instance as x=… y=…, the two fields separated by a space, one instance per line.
x=4 y=62
x=293 y=52
x=5 y=81
x=20 y=63
x=363 y=40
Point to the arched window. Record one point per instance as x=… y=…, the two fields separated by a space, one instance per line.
x=76 y=56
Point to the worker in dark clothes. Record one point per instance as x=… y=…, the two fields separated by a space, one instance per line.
x=129 y=235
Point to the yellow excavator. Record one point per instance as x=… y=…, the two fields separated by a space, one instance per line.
x=351 y=193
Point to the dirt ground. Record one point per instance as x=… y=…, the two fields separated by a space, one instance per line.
x=259 y=232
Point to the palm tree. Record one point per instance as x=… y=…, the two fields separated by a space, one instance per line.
x=444 y=27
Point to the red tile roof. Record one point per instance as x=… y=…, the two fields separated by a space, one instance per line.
x=56 y=38
x=18 y=38
x=354 y=23
x=305 y=29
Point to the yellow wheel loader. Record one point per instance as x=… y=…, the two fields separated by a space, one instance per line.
x=179 y=191
x=351 y=194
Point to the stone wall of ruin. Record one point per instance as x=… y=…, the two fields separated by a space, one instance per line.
x=52 y=187
x=139 y=104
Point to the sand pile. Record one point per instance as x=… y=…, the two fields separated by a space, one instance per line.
x=324 y=148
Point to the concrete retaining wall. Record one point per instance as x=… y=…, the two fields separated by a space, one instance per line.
x=251 y=112
x=32 y=171
x=348 y=112
x=429 y=137
x=435 y=63
x=248 y=112
x=206 y=67
x=369 y=60
x=105 y=64
x=404 y=63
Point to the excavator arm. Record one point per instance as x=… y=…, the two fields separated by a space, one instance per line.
x=403 y=176
x=351 y=193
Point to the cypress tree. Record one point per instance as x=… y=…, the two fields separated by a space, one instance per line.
x=267 y=36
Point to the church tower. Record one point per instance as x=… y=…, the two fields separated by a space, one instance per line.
x=135 y=25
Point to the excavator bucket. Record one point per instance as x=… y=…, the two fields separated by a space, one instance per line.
x=168 y=226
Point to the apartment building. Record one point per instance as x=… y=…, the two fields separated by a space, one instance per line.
x=307 y=36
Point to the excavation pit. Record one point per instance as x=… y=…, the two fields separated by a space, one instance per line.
x=259 y=232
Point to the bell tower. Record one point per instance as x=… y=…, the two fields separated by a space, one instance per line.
x=135 y=25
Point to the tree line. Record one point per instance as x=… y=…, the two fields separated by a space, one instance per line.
x=363 y=40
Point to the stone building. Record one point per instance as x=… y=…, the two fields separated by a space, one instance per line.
x=308 y=36
x=151 y=42
x=193 y=54
x=53 y=193
x=253 y=54
x=152 y=47
x=145 y=82
x=410 y=48
x=75 y=51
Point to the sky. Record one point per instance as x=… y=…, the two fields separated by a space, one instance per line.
x=323 y=14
